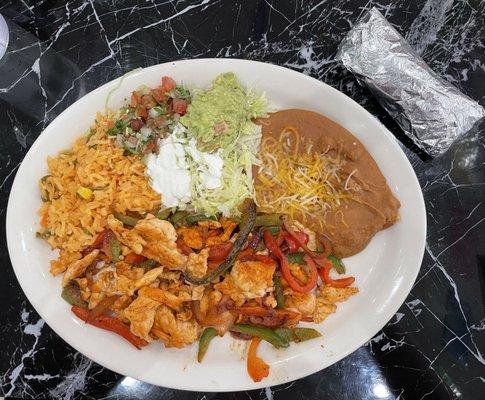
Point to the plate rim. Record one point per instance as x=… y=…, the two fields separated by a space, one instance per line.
x=207 y=386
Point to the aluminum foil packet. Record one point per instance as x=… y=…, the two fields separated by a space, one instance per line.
x=430 y=110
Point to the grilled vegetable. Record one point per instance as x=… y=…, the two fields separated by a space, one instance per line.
x=193 y=219
x=337 y=264
x=115 y=249
x=205 y=339
x=110 y=324
x=264 y=333
x=274 y=249
x=257 y=368
x=324 y=273
x=133 y=258
x=274 y=230
x=246 y=226
x=219 y=251
x=126 y=219
x=179 y=217
x=278 y=291
x=165 y=214
x=295 y=258
x=298 y=335
x=148 y=264
x=72 y=294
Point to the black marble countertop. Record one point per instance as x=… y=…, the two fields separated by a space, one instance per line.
x=59 y=50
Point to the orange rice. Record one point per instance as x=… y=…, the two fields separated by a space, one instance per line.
x=117 y=181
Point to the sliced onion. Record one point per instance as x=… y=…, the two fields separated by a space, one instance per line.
x=102 y=307
x=146 y=132
x=221 y=321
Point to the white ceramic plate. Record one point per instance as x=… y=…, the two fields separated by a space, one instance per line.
x=385 y=271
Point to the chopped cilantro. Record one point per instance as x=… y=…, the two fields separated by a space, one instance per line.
x=118 y=128
x=181 y=93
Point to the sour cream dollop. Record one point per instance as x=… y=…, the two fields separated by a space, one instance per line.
x=179 y=165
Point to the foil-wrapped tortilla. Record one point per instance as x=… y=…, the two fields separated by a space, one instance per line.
x=430 y=110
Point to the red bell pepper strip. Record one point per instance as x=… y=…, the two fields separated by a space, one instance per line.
x=257 y=257
x=292 y=242
x=219 y=252
x=213 y=264
x=98 y=242
x=133 y=258
x=318 y=258
x=324 y=273
x=285 y=267
x=257 y=368
x=110 y=324
x=102 y=307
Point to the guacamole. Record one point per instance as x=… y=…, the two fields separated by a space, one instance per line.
x=217 y=117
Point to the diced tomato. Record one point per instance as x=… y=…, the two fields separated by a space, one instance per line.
x=135 y=99
x=159 y=95
x=179 y=106
x=148 y=101
x=110 y=123
x=142 y=112
x=168 y=84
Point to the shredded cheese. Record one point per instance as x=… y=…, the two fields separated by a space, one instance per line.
x=301 y=184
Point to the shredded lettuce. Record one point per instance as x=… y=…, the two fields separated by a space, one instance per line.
x=227 y=105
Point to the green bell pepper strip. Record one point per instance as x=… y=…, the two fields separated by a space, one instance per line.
x=297 y=258
x=264 y=333
x=205 y=339
x=337 y=264
x=278 y=291
x=298 y=335
x=178 y=217
x=274 y=230
x=193 y=219
x=245 y=228
x=72 y=295
x=147 y=264
x=164 y=214
x=115 y=249
x=126 y=219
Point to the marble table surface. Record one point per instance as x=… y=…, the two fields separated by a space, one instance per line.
x=59 y=50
